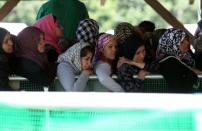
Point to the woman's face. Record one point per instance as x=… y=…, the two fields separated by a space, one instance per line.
x=139 y=54
x=41 y=45
x=86 y=61
x=109 y=49
x=184 y=45
x=59 y=29
x=7 y=45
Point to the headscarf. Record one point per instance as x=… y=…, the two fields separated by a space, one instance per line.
x=3 y=54
x=123 y=30
x=101 y=41
x=130 y=46
x=169 y=43
x=27 y=45
x=47 y=25
x=73 y=56
x=87 y=31
x=68 y=12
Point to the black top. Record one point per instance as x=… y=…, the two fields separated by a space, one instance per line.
x=34 y=72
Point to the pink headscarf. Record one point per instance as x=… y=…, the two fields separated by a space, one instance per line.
x=101 y=41
x=47 y=25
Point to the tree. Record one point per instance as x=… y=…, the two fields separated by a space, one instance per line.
x=113 y=12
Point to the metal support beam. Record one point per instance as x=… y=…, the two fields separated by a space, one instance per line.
x=7 y=7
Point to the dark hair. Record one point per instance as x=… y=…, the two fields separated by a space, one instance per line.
x=147 y=26
x=86 y=50
x=54 y=18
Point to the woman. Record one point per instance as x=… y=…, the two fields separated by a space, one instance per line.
x=53 y=31
x=174 y=50
x=68 y=12
x=75 y=61
x=133 y=63
x=6 y=49
x=175 y=42
x=106 y=48
x=31 y=60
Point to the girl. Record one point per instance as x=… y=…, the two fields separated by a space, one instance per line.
x=6 y=49
x=106 y=48
x=75 y=61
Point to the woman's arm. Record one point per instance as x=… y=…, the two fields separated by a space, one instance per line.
x=103 y=72
x=67 y=78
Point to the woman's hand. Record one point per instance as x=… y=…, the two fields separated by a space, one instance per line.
x=142 y=73
x=88 y=72
x=123 y=60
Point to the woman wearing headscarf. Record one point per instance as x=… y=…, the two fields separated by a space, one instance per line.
x=77 y=59
x=175 y=42
x=87 y=32
x=173 y=54
x=6 y=49
x=133 y=63
x=106 y=48
x=68 y=12
x=53 y=31
x=31 y=60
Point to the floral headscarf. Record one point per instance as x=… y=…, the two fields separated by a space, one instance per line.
x=170 y=41
x=169 y=46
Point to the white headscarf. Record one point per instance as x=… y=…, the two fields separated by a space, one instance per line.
x=73 y=56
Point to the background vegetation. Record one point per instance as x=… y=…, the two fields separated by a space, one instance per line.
x=114 y=11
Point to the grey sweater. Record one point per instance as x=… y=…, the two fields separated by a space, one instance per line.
x=66 y=75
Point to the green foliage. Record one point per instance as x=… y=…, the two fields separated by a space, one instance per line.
x=113 y=12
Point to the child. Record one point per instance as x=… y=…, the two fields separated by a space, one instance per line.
x=75 y=61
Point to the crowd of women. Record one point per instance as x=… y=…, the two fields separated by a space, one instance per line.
x=65 y=48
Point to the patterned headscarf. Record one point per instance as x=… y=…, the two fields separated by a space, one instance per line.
x=73 y=56
x=101 y=41
x=169 y=43
x=87 y=31
x=123 y=30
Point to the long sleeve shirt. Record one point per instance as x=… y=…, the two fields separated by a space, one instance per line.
x=103 y=71
x=66 y=75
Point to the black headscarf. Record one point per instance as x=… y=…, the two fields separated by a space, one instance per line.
x=3 y=54
x=130 y=45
